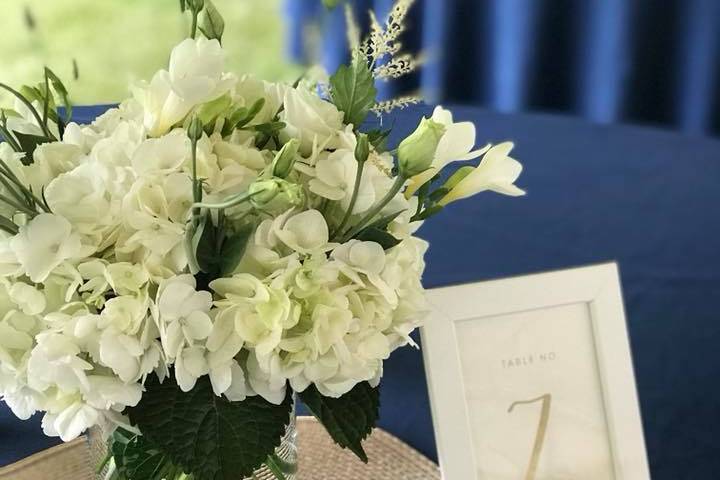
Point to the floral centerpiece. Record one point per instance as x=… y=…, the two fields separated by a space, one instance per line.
x=176 y=271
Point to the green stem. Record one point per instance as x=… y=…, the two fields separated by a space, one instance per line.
x=230 y=202
x=20 y=207
x=193 y=27
x=196 y=191
x=353 y=200
x=8 y=226
x=32 y=109
x=399 y=182
x=46 y=102
x=10 y=139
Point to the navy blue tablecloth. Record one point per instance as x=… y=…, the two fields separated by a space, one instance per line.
x=646 y=198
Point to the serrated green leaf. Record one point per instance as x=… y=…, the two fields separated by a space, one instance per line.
x=349 y=419
x=209 y=436
x=213 y=25
x=233 y=249
x=353 y=91
x=135 y=457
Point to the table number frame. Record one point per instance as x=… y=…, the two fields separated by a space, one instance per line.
x=597 y=286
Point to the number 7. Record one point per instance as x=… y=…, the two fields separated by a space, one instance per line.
x=540 y=435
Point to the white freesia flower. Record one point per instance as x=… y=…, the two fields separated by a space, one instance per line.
x=195 y=76
x=43 y=244
x=497 y=172
x=455 y=145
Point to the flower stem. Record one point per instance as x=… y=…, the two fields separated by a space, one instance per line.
x=229 y=202
x=193 y=27
x=32 y=109
x=353 y=200
x=399 y=182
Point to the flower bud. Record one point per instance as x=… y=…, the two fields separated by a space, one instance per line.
x=416 y=152
x=362 y=149
x=195 y=129
x=275 y=193
x=285 y=159
x=263 y=192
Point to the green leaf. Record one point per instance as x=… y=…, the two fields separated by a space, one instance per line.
x=60 y=89
x=135 y=457
x=383 y=222
x=378 y=138
x=348 y=419
x=233 y=249
x=353 y=91
x=209 y=436
x=205 y=245
x=377 y=235
x=208 y=112
x=29 y=144
x=183 y=5
x=213 y=25
x=331 y=3
x=428 y=212
x=242 y=116
x=195 y=5
x=269 y=128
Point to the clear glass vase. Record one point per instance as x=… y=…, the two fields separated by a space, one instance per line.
x=286 y=453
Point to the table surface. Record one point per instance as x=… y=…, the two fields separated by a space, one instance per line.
x=318 y=459
x=646 y=198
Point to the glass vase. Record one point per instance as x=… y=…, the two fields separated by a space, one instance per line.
x=286 y=453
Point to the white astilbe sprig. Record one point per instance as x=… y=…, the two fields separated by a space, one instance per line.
x=385 y=40
x=353 y=29
x=388 y=106
x=397 y=67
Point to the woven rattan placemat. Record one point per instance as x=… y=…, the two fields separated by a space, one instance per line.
x=320 y=459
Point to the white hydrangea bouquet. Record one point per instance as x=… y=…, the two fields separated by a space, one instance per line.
x=177 y=271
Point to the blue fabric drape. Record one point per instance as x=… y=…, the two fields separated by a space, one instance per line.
x=641 y=61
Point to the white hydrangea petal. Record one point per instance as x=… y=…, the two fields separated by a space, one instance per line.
x=74 y=420
x=197 y=325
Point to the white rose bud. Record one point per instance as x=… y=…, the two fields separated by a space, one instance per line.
x=416 y=152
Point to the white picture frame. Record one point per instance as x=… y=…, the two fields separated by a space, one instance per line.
x=470 y=329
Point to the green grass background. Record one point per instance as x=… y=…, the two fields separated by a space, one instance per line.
x=115 y=42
